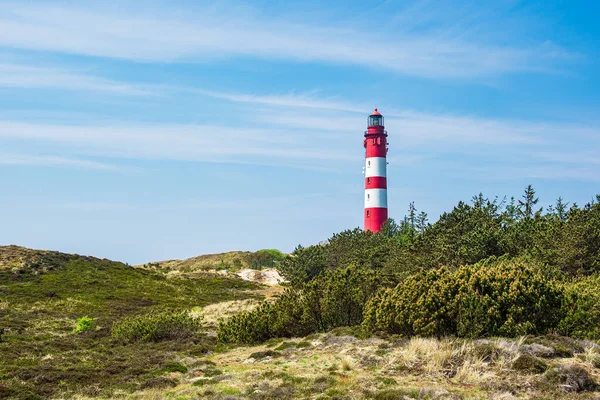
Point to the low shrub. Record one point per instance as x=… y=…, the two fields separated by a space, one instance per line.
x=528 y=363
x=572 y=378
x=497 y=297
x=486 y=351
x=582 y=309
x=204 y=381
x=259 y=355
x=85 y=324
x=561 y=346
x=160 y=382
x=156 y=326
x=335 y=298
x=175 y=367
x=283 y=318
x=285 y=346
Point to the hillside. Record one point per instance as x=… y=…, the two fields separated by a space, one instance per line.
x=42 y=294
x=20 y=259
x=232 y=261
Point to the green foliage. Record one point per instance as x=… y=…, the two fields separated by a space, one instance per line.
x=303 y=264
x=336 y=298
x=529 y=363
x=264 y=258
x=466 y=235
x=85 y=324
x=175 y=367
x=259 y=355
x=156 y=326
x=582 y=308
x=567 y=240
x=562 y=240
x=355 y=248
x=496 y=297
x=47 y=291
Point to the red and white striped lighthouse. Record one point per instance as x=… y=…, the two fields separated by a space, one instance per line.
x=376 y=212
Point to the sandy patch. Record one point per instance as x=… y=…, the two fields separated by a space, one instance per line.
x=268 y=276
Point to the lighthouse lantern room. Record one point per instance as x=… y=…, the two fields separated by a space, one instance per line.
x=376 y=211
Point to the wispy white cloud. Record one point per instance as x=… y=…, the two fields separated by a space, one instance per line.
x=413 y=129
x=296 y=139
x=56 y=161
x=35 y=77
x=292 y=100
x=172 y=142
x=169 y=35
x=193 y=204
x=552 y=172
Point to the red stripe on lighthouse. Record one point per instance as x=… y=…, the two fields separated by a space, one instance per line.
x=376 y=146
x=374 y=218
x=376 y=182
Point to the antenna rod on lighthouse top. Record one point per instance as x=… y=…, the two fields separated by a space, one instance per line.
x=375 y=143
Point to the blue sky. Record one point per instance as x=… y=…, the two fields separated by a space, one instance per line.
x=154 y=130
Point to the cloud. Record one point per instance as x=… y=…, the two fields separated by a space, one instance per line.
x=546 y=172
x=301 y=100
x=54 y=161
x=269 y=202
x=153 y=34
x=328 y=141
x=173 y=142
x=33 y=77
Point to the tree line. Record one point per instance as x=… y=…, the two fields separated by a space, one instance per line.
x=487 y=267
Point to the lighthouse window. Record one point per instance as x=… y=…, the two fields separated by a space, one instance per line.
x=368 y=180
x=375 y=120
x=368 y=213
x=368 y=197
x=369 y=163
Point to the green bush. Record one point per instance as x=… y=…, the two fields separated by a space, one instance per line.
x=582 y=309
x=336 y=298
x=156 y=326
x=85 y=324
x=265 y=258
x=494 y=297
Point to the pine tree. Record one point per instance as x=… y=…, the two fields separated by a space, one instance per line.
x=560 y=210
x=422 y=223
x=511 y=212
x=528 y=203
x=390 y=228
x=412 y=215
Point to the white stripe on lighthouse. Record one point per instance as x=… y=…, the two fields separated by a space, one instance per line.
x=375 y=166
x=375 y=198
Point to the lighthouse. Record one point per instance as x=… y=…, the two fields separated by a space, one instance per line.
x=376 y=212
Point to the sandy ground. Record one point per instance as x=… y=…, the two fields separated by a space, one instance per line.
x=268 y=276
x=224 y=310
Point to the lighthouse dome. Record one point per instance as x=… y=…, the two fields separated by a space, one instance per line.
x=376 y=119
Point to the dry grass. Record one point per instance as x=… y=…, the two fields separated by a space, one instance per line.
x=212 y=313
x=346 y=367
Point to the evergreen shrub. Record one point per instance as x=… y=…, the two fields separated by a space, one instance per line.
x=335 y=298
x=85 y=324
x=496 y=297
x=582 y=309
x=156 y=326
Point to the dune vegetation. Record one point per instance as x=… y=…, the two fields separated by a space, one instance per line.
x=62 y=322
x=495 y=300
